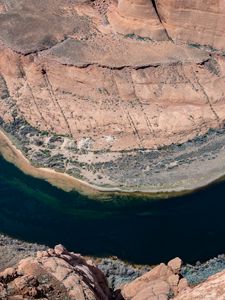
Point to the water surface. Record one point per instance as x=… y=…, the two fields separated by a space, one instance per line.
x=137 y=230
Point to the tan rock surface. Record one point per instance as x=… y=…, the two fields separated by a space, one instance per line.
x=58 y=274
x=211 y=289
x=54 y=274
x=162 y=282
x=175 y=264
x=12 y=251
x=195 y=22
x=136 y=17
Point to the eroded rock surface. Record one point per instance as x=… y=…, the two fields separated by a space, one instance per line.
x=198 y=22
x=162 y=282
x=105 y=91
x=212 y=288
x=137 y=17
x=59 y=274
x=54 y=274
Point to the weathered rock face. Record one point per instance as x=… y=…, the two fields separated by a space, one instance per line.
x=174 y=19
x=54 y=274
x=194 y=22
x=58 y=274
x=212 y=288
x=162 y=282
x=137 y=17
x=82 y=84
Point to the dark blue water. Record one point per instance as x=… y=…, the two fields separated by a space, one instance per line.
x=137 y=230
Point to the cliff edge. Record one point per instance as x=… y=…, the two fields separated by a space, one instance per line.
x=59 y=274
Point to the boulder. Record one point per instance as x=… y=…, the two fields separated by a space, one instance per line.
x=162 y=282
x=175 y=264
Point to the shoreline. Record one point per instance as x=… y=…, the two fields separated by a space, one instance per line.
x=69 y=183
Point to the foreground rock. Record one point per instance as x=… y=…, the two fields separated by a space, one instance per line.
x=58 y=274
x=163 y=282
x=212 y=288
x=54 y=274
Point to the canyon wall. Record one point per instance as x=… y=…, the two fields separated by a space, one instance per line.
x=82 y=83
x=194 y=22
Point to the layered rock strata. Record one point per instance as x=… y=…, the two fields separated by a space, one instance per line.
x=137 y=17
x=194 y=22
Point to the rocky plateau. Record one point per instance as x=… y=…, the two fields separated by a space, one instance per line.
x=125 y=95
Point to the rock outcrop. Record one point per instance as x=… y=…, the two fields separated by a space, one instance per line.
x=54 y=274
x=172 y=19
x=212 y=288
x=137 y=18
x=58 y=274
x=162 y=282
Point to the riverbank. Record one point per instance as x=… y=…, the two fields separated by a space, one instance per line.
x=12 y=154
x=63 y=181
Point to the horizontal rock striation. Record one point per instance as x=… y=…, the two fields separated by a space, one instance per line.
x=194 y=22
x=137 y=17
